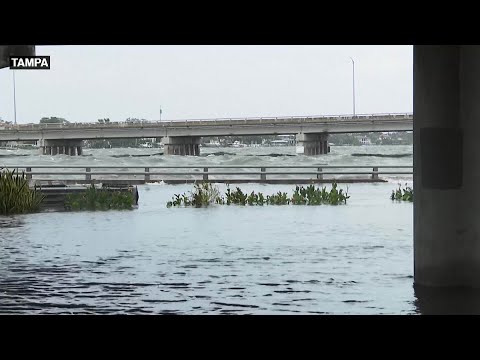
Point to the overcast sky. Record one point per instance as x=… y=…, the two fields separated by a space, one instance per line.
x=86 y=83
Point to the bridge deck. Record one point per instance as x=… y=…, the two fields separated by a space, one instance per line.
x=210 y=127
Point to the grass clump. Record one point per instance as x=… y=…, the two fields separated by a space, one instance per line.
x=16 y=197
x=99 y=199
x=405 y=194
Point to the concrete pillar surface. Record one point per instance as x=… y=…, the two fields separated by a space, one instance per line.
x=181 y=145
x=446 y=166
x=61 y=146
x=312 y=144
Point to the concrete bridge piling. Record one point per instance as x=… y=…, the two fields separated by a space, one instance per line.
x=313 y=144
x=446 y=166
x=182 y=145
x=59 y=147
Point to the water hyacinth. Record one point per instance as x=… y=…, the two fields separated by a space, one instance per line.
x=204 y=194
x=316 y=196
x=207 y=194
x=405 y=194
x=16 y=197
x=99 y=199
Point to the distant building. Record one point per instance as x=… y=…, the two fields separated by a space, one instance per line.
x=279 y=142
x=365 y=141
x=284 y=140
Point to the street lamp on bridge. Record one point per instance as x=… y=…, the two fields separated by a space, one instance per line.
x=14 y=100
x=353 y=65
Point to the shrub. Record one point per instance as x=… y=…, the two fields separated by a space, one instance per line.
x=16 y=197
x=99 y=199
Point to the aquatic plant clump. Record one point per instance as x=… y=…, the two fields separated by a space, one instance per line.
x=16 y=197
x=316 y=196
x=405 y=194
x=206 y=194
x=99 y=199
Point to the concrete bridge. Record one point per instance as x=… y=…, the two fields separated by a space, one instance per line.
x=182 y=137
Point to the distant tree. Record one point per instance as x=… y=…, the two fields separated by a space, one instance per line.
x=53 y=120
x=4 y=121
x=117 y=143
x=344 y=139
x=134 y=120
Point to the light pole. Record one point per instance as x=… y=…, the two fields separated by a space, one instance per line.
x=14 y=100
x=160 y=112
x=353 y=64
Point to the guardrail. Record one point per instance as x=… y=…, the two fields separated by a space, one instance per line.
x=216 y=121
x=260 y=173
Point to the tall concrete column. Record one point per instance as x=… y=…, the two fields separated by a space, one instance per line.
x=41 y=146
x=446 y=166
x=312 y=144
x=181 y=145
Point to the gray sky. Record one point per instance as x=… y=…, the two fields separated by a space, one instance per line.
x=86 y=83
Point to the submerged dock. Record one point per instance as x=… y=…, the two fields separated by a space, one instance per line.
x=56 y=192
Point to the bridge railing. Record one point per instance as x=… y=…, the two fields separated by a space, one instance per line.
x=217 y=121
x=221 y=173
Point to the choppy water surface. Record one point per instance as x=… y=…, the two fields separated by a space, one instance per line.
x=353 y=259
x=249 y=156
x=340 y=155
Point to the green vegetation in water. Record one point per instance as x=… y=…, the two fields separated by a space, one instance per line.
x=16 y=197
x=316 y=196
x=99 y=199
x=405 y=194
x=206 y=194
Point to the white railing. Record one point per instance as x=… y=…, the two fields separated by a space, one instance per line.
x=203 y=172
x=217 y=121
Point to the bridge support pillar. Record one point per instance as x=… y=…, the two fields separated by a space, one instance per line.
x=67 y=147
x=446 y=165
x=181 y=145
x=312 y=144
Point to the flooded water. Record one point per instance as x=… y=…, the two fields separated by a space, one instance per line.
x=349 y=259
x=247 y=156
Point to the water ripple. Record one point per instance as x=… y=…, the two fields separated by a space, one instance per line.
x=221 y=260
